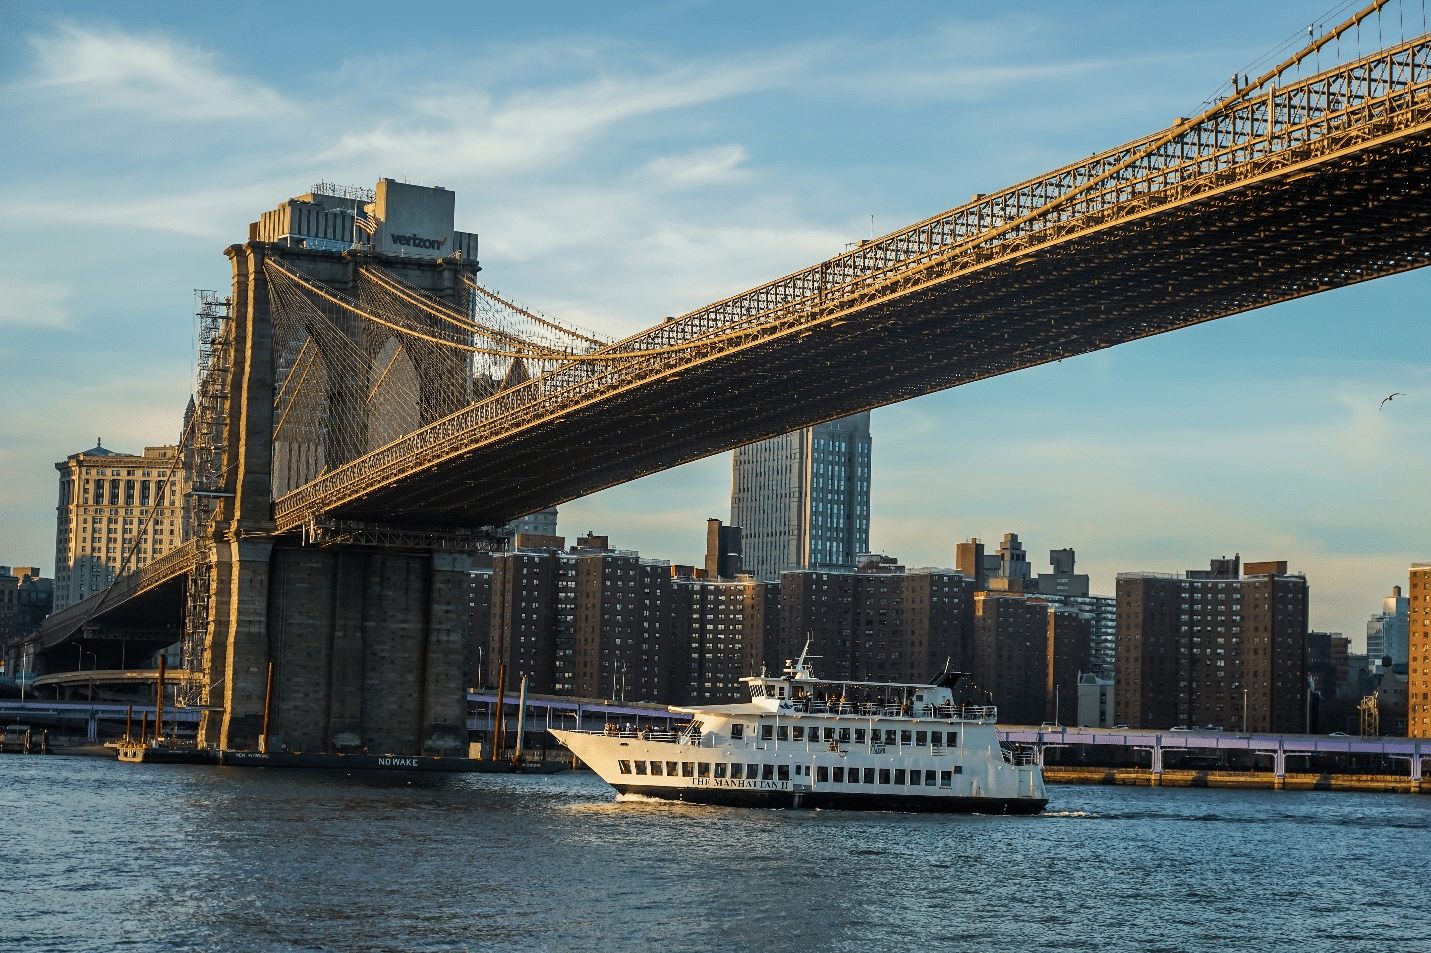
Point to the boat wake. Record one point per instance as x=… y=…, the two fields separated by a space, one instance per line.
x=1071 y=814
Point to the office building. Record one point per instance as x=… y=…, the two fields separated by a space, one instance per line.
x=1327 y=654
x=1013 y=572
x=878 y=622
x=802 y=499
x=1063 y=581
x=1009 y=571
x=720 y=632
x=1418 y=684
x=1101 y=612
x=592 y=621
x=1026 y=657
x=117 y=512
x=26 y=598
x=598 y=622
x=540 y=523
x=1225 y=647
x=1095 y=701
x=1386 y=635
x=724 y=554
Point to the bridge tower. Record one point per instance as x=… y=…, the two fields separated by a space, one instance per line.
x=362 y=625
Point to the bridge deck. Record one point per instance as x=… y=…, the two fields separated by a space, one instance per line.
x=1299 y=189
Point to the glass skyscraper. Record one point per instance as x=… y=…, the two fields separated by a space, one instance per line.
x=802 y=500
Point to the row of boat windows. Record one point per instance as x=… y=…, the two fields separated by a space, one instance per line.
x=890 y=736
x=781 y=772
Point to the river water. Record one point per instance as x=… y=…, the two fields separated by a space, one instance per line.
x=99 y=856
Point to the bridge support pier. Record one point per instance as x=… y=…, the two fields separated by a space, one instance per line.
x=367 y=646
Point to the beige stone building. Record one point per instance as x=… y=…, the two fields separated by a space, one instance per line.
x=116 y=512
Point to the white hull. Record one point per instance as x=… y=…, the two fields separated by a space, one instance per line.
x=975 y=778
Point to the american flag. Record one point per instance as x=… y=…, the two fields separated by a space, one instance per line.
x=366 y=222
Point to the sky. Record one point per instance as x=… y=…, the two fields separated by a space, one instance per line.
x=623 y=162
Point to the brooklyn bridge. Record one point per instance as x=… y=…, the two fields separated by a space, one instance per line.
x=368 y=413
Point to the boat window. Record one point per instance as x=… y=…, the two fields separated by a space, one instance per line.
x=906 y=737
x=782 y=732
x=688 y=769
x=656 y=768
x=898 y=775
x=884 y=775
x=670 y=769
x=782 y=691
x=889 y=736
x=751 y=770
x=920 y=738
x=625 y=766
x=737 y=771
x=640 y=767
x=946 y=779
x=829 y=734
x=936 y=738
x=767 y=772
x=703 y=770
x=951 y=738
x=958 y=769
x=720 y=769
x=869 y=775
x=859 y=736
x=822 y=774
x=854 y=776
x=737 y=732
x=799 y=731
x=839 y=775
x=845 y=734
x=929 y=778
x=782 y=772
x=767 y=732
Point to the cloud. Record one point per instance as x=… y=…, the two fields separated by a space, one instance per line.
x=162 y=78
x=693 y=169
x=33 y=305
x=537 y=128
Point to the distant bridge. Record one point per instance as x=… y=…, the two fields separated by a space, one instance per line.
x=1279 y=747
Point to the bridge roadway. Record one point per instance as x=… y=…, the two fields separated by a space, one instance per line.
x=1280 y=747
x=1273 y=194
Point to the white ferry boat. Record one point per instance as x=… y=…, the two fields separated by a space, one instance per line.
x=806 y=742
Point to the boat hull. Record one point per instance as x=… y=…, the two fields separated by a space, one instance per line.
x=839 y=800
x=373 y=762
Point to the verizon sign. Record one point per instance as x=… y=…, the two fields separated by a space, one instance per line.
x=417 y=241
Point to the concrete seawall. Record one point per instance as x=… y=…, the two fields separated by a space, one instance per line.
x=1385 y=783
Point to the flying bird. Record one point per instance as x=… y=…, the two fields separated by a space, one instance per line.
x=1385 y=399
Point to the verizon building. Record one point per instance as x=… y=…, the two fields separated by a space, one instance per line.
x=802 y=500
x=412 y=220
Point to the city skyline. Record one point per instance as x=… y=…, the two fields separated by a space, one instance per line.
x=1261 y=432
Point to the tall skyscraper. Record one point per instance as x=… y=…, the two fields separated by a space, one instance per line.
x=802 y=500
x=114 y=509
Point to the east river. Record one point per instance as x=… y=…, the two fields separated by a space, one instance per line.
x=99 y=856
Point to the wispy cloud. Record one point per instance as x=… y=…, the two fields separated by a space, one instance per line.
x=540 y=128
x=698 y=168
x=25 y=303
x=157 y=76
